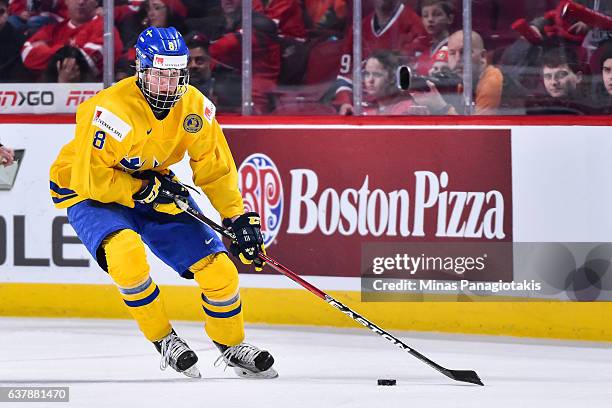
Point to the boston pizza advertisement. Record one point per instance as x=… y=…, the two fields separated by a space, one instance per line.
x=325 y=193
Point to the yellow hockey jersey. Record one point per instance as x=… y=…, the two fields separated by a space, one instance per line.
x=117 y=134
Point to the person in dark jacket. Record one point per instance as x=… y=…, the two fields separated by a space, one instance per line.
x=565 y=90
x=11 y=68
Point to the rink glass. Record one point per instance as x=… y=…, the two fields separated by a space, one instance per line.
x=305 y=83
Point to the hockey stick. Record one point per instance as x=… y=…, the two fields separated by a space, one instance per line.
x=458 y=375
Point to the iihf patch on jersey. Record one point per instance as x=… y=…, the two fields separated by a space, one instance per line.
x=209 y=110
x=111 y=123
x=192 y=123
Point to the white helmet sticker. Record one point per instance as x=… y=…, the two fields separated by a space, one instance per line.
x=170 y=61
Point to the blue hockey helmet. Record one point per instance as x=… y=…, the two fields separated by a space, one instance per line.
x=161 y=66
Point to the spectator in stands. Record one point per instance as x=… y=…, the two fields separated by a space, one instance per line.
x=450 y=85
x=391 y=26
x=579 y=23
x=437 y=17
x=605 y=64
x=166 y=13
x=215 y=26
x=325 y=18
x=156 y=13
x=562 y=80
x=200 y=71
x=285 y=17
x=10 y=44
x=289 y=19
x=606 y=72
x=286 y=14
x=273 y=23
x=225 y=27
x=560 y=76
x=83 y=30
x=487 y=80
x=68 y=65
x=7 y=155
x=381 y=93
x=29 y=16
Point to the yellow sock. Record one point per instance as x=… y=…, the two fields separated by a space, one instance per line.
x=218 y=279
x=127 y=265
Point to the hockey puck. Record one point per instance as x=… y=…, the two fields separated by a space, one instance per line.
x=382 y=381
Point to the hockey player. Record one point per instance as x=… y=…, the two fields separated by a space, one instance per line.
x=109 y=178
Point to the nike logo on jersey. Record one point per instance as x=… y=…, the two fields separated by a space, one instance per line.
x=149 y=131
x=208 y=241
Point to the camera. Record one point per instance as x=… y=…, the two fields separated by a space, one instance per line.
x=446 y=81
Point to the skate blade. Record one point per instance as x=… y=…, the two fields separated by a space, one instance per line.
x=268 y=374
x=192 y=372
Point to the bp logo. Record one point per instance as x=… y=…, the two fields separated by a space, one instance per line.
x=262 y=192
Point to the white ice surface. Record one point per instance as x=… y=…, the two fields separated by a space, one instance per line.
x=107 y=363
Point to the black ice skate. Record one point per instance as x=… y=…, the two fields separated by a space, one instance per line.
x=247 y=360
x=177 y=354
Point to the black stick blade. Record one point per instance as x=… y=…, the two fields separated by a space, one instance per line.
x=465 y=376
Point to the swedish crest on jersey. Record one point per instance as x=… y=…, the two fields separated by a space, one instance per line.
x=192 y=123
